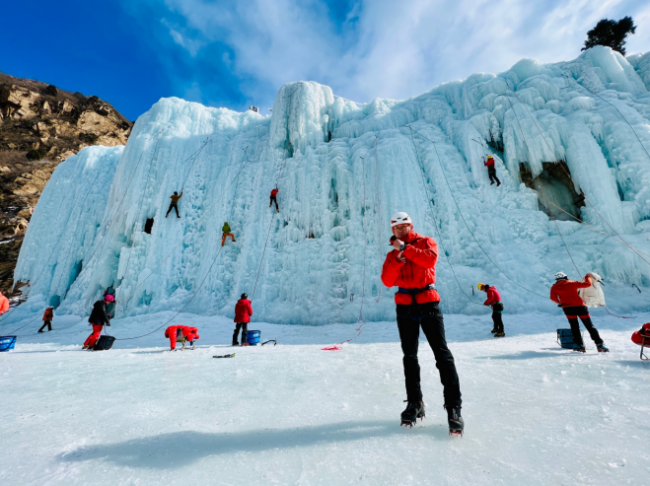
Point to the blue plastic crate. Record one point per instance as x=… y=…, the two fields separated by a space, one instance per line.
x=253 y=337
x=565 y=339
x=7 y=343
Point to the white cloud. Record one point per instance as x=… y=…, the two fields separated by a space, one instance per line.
x=392 y=49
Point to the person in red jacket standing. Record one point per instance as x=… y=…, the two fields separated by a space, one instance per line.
x=565 y=293
x=494 y=301
x=274 y=198
x=181 y=334
x=492 y=171
x=243 y=313
x=411 y=267
x=48 y=315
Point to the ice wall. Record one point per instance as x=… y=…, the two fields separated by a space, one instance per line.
x=342 y=169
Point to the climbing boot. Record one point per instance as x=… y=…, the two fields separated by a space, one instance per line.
x=602 y=348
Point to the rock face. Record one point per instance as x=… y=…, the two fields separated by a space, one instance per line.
x=40 y=126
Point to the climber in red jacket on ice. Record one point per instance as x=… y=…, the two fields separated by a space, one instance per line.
x=181 y=334
x=274 y=199
x=243 y=313
x=565 y=293
x=492 y=171
x=494 y=301
x=411 y=267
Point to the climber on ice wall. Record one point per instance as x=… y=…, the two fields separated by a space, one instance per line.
x=494 y=301
x=98 y=319
x=274 y=199
x=564 y=292
x=226 y=233
x=411 y=267
x=174 y=204
x=243 y=313
x=492 y=171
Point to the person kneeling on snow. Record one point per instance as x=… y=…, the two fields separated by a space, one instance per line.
x=494 y=301
x=181 y=334
x=98 y=319
x=243 y=313
x=565 y=293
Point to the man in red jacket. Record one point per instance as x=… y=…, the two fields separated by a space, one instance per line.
x=565 y=293
x=492 y=171
x=181 y=334
x=274 y=199
x=494 y=301
x=243 y=313
x=411 y=267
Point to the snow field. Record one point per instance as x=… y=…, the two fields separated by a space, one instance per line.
x=293 y=414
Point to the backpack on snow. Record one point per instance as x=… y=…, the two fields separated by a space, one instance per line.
x=104 y=344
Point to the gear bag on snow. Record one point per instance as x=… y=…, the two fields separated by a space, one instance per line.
x=593 y=296
x=105 y=343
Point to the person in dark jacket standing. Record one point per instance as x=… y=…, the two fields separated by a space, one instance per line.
x=174 y=204
x=411 y=267
x=243 y=313
x=492 y=171
x=98 y=319
x=564 y=292
x=48 y=315
x=494 y=300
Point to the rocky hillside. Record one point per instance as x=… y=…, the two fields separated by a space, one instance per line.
x=40 y=126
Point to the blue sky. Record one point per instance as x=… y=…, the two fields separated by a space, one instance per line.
x=237 y=53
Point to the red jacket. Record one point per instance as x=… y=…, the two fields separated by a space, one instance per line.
x=492 y=296
x=489 y=163
x=190 y=333
x=4 y=304
x=48 y=315
x=274 y=192
x=243 y=311
x=565 y=292
x=417 y=272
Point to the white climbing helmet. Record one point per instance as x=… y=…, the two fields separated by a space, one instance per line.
x=400 y=218
x=560 y=276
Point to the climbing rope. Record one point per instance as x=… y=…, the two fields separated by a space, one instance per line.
x=465 y=222
x=173 y=250
x=566 y=75
x=379 y=221
x=420 y=169
x=194 y=156
x=571 y=178
x=202 y=281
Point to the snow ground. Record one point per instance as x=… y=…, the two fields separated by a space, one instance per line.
x=293 y=414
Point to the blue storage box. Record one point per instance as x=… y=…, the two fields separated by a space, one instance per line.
x=565 y=339
x=253 y=337
x=7 y=343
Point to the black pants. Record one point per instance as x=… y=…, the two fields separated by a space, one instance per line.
x=493 y=176
x=572 y=314
x=428 y=316
x=497 y=309
x=46 y=323
x=173 y=206
x=244 y=327
x=274 y=200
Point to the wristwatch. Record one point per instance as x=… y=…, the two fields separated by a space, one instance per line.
x=401 y=247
